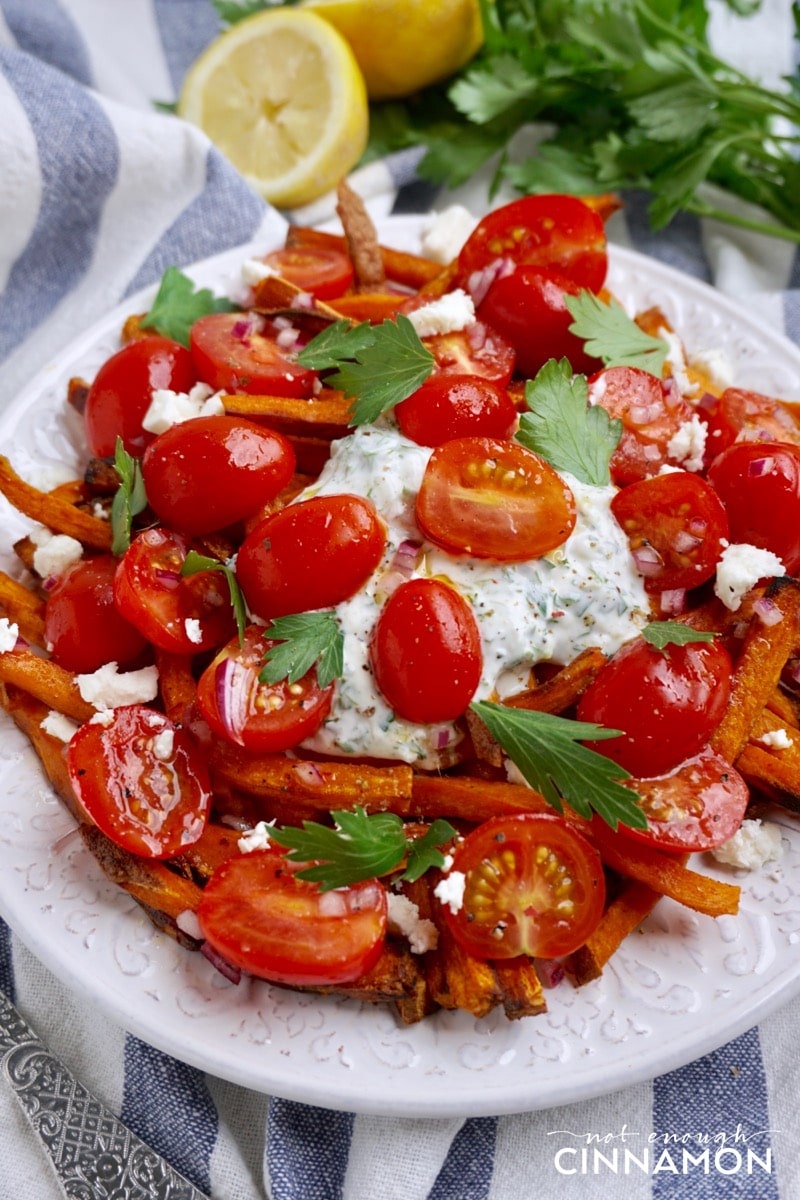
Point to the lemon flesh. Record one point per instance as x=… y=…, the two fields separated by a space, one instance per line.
x=404 y=45
x=282 y=96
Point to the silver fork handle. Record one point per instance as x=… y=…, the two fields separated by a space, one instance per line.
x=94 y=1154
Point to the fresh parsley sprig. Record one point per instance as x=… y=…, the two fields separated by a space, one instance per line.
x=610 y=334
x=662 y=634
x=548 y=751
x=195 y=563
x=303 y=640
x=564 y=428
x=375 y=365
x=178 y=304
x=359 y=846
x=129 y=500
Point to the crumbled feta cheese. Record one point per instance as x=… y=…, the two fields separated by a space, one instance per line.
x=54 y=552
x=676 y=361
x=58 y=726
x=687 y=445
x=171 y=408
x=445 y=233
x=448 y=314
x=105 y=718
x=256 y=838
x=715 y=363
x=776 y=739
x=106 y=688
x=254 y=270
x=100 y=511
x=9 y=632
x=164 y=744
x=193 y=629
x=404 y=919
x=450 y=890
x=188 y=923
x=740 y=568
x=753 y=845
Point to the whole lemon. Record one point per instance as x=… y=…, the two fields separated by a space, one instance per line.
x=404 y=45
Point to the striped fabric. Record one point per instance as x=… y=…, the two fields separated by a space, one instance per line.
x=98 y=192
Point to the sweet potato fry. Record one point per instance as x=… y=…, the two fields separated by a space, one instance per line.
x=565 y=688
x=23 y=607
x=411 y=270
x=457 y=980
x=322 y=785
x=177 y=684
x=45 y=680
x=773 y=776
x=361 y=238
x=624 y=914
x=470 y=799
x=368 y=306
x=523 y=994
x=332 y=409
x=57 y=514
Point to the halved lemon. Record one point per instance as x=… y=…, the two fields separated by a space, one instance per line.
x=282 y=96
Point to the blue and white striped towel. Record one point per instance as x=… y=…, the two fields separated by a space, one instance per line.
x=98 y=192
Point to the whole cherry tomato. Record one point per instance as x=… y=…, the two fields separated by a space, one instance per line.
x=493 y=499
x=426 y=652
x=259 y=916
x=320 y=270
x=676 y=525
x=142 y=781
x=666 y=703
x=555 y=232
x=240 y=352
x=759 y=484
x=209 y=472
x=261 y=717
x=123 y=389
x=454 y=406
x=533 y=885
x=82 y=626
x=313 y=554
x=651 y=414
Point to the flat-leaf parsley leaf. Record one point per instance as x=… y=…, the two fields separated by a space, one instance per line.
x=304 y=639
x=610 y=334
x=194 y=563
x=672 y=633
x=178 y=304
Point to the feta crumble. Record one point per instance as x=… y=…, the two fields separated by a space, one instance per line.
x=9 y=633
x=740 y=568
x=687 y=445
x=164 y=744
x=448 y=314
x=404 y=919
x=445 y=233
x=54 y=552
x=450 y=890
x=106 y=688
x=776 y=739
x=193 y=629
x=256 y=838
x=676 y=360
x=58 y=726
x=189 y=924
x=169 y=408
x=753 y=845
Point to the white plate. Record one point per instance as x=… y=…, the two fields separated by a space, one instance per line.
x=673 y=992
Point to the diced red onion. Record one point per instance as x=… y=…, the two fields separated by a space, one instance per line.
x=685 y=541
x=644 y=414
x=309 y=774
x=406 y=557
x=476 y=335
x=768 y=612
x=303 y=300
x=232 y=694
x=246 y=326
x=169 y=579
x=442 y=739
x=648 y=561
x=707 y=402
x=550 y=971
x=760 y=466
x=479 y=282
x=231 y=973
x=287 y=338
x=673 y=601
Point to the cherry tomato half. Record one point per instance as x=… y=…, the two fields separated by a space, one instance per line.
x=493 y=499
x=239 y=352
x=321 y=270
x=675 y=525
x=259 y=916
x=82 y=626
x=759 y=484
x=123 y=389
x=696 y=806
x=181 y=614
x=651 y=413
x=666 y=703
x=476 y=350
x=426 y=652
x=742 y=416
x=528 y=308
x=454 y=406
x=533 y=886
x=261 y=717
x=313 y=554
x=551 y=232
x=209 y=472
x=142 y=781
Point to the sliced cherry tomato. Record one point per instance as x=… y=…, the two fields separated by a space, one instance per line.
x=550 y=232
x=533 y=885
x=123 y=389
x=759 y=484
x=742 y=416
x=82 y=626
x=454 y=406
x=239 y=352
x=313 y=554
x=142 y=781
x=528 y=308
x=262 y=717
x=209 y=472
x=696 y=806
x=426 y=652
x=676 y=525
x=493 y=499
x=651 y=413
x=181 y=614
x=259 y=916
x=476 y=350
x=321 y=270
x=666 y=702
